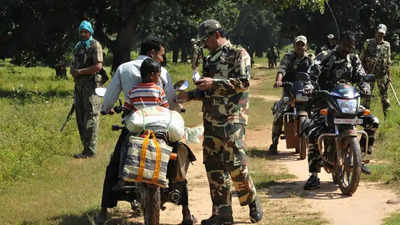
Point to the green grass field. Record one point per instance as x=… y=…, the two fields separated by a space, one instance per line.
x=40 y=182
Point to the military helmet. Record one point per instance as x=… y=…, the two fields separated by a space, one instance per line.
x=208 y=27
x=381 y=28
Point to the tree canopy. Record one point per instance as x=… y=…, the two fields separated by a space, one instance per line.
x=45 y=31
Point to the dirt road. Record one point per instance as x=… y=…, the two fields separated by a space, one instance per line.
x=366 y=207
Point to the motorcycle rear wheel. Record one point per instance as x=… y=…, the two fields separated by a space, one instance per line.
x=151 y=204
x=350 y=171
x=301 y=147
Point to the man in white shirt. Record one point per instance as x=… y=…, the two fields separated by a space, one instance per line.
x=125 y=78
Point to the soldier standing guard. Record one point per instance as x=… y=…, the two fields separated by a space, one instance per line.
x=375 y=57
x=87 y=61
x=224 y=93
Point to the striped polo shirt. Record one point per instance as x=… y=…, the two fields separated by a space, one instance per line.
x=145 y=95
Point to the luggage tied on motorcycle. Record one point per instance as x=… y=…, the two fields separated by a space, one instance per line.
x=147 y=160
x=157 y=118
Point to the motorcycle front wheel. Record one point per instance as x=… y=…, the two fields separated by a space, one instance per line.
x=350 y=171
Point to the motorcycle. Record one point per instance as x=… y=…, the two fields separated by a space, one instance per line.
x=147 y=199
x=339 y=146
x=296 y=114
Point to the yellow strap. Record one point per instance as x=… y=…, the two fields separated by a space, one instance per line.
x=156 y=173
x=143 y=157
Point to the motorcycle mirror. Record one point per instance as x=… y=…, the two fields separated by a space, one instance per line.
x=100 y=91
x=181 y=85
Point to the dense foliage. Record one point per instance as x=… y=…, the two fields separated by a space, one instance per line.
x=45 y=31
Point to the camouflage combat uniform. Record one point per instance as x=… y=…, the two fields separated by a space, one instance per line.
x=289 y=66
x=87 y=103
x=376 y=60
x=327 y=70
x=225 y=109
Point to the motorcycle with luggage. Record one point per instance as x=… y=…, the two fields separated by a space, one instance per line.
x=154 y=161
x=296 y=113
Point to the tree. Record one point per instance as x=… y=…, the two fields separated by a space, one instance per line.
x=256 y=29
x=44 y=31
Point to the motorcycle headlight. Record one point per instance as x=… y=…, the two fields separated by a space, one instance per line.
x=348 y=105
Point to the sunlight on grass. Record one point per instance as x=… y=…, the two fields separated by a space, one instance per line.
x=394 y=219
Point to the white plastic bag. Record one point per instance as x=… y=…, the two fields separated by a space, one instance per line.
x=157 y=117
x=193 y=134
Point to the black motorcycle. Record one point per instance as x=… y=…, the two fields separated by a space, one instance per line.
x=338 y=144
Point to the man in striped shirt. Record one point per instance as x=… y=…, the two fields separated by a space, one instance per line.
x=147 y=93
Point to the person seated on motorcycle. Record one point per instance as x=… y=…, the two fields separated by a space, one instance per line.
x=330 y=68
x=146 y=94
x=292 y=63
x=124 y=79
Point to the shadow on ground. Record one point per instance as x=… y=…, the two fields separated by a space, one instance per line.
x=265 y=154
x=28 y=94
x=289 y=189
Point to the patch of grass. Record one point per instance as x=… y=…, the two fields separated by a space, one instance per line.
x=278 y=211
x=36 y=159
x=386 y=151
x=263 y=173
x=394 y=219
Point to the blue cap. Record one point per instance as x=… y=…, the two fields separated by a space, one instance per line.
x=85 y=25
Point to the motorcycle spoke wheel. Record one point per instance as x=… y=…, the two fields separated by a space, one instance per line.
x=350 y=170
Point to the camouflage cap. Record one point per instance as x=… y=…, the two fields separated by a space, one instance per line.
x=207 y=27
x=330 y=36
x=301 y=38
x=381 y=28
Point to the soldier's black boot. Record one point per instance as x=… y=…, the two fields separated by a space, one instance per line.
x=218 y=220
x=102 y=216
x=385 y=107
x=312 y=183
x=256 y=212
x=273 y=148
x=365 y=169
x=224 y=217
x=84 y=155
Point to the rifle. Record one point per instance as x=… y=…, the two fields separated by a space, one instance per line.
x=71 y=111
x=394 y=92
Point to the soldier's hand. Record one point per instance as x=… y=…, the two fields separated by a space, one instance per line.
x=278 y=83
x=205 y=83
x=111 y=112
x=182 y=97
x=74 y=72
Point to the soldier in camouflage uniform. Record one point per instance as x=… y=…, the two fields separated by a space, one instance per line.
x=87 y=61
x=224 y=93
x=292 y=63
x=329 y=68
x=375 y=57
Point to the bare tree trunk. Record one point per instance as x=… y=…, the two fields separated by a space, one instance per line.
x=121 y=48
x=175 y=54
x=61 y=71
x=183 y=54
